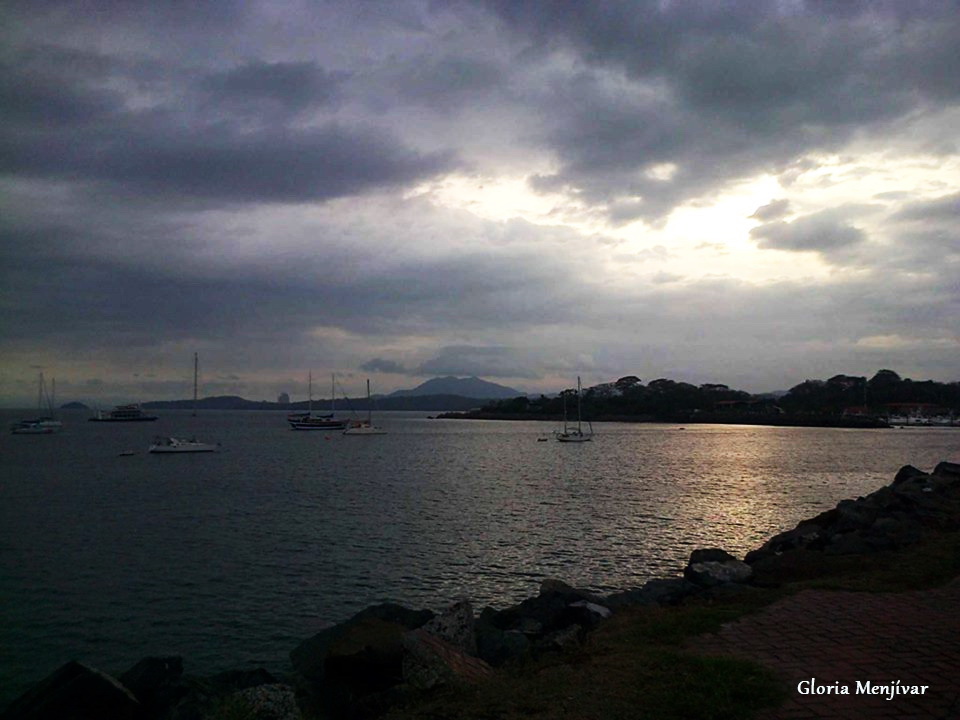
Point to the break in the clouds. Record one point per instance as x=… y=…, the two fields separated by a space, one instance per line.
x=751 y=194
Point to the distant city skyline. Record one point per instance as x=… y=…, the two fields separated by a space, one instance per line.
x=751 y=194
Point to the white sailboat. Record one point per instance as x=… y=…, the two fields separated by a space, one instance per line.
x=42 y=424
x=570 y=434
x=309 y=421
x=163 y=445
x=365 y=427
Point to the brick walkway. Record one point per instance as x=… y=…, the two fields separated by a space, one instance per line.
x=835 y=636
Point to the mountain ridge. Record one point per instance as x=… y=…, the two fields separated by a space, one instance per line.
x=472 y=387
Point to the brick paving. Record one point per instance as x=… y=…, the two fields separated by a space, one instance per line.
x=844 y=637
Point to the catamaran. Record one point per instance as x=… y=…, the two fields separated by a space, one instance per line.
x=309 y=421
x=570 y=434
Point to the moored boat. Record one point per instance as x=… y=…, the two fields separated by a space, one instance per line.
x=42 y=424
x=311 y=421
x=180 y=445
x=123 y=413
x=365 y=427
x=574 y=434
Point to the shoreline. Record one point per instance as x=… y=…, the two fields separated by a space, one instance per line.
x=689 y=419
x=389 y=654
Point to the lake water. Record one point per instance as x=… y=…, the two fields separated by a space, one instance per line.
x=231 y=559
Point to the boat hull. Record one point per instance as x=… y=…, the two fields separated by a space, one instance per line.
x=199 y=448
x=573 y=438
x=317 y=424
x=145 y=418
x=32 y=430
x=364 y=431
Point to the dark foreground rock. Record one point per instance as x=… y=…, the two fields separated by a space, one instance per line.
x=899 y=514
x=77 y=692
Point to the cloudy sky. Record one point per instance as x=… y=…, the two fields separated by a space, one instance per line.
x=752 y=193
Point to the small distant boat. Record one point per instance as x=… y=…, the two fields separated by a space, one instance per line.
x=180 y=445
x=42 y=424
x=570 y=434
x=309 y=421
x=365 y=427
x=123 y=413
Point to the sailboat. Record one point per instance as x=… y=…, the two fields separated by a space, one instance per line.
x=365 y=427
x=162 y=445
x=309 y=421
x=42 y=424
x=570 y=434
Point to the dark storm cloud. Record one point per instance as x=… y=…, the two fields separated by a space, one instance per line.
x=725 y=90
x=489 y=361
x=70 y=130
x=946 y=208
x=383 y=365
x=293 y=86
x=822 y=232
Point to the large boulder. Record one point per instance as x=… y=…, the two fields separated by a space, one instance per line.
x=712 y=566
x=382 y=625
x=659 y=591
x=76 y=692
x=456 y=625
x=495 y=645
x=156 y=682
x=430 y=661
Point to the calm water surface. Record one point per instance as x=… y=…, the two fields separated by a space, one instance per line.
x=231 y=559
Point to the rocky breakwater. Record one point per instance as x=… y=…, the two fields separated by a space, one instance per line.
x=388 y=654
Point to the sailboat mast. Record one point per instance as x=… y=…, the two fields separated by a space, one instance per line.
x=369 y=409
x=578 y=406
x=40 y=393
x=310 y=393
x=333 y=394
x=196 y=365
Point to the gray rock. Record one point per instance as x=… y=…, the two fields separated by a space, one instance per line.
x=907 y=472
x=430 y=661
x=268 y=702
x=565 y=639
x=947 y=470
x=660 y=591
x=496 y=646
x=309 y=658
x=456 y=625
x=710 y=555
x=708 y=574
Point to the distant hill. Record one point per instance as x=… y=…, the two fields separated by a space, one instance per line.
x=344 y=405
x=74 y=406
x=471 y=387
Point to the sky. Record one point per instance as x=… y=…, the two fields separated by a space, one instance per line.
x=750 y=193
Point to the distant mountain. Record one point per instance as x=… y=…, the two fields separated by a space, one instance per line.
x=471 y=387
x=344 y=405
x=74 y=406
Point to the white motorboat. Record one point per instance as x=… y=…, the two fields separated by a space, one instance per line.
x=365 y=427
x=574 y=434
x=180 y=445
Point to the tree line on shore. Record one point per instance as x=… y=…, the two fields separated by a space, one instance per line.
x=883 y=394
